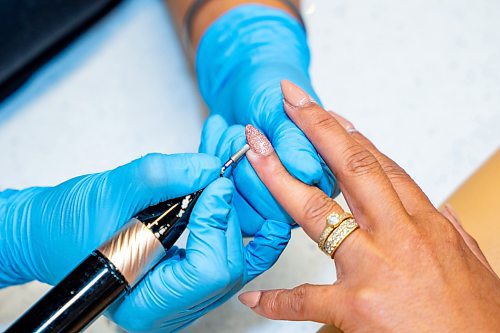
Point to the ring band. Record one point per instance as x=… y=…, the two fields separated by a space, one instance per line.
x=335 y=239
x=333 y=220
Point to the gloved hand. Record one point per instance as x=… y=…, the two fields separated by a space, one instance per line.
x=240 y=62
x=214 y=266
x=45 y=232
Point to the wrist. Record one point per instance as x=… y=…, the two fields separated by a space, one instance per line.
x=210 y=11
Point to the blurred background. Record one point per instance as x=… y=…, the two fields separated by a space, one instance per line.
x=421 y=78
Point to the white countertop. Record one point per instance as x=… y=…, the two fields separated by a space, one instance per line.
x=421 y=78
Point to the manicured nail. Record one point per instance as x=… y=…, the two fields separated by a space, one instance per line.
x=257 y=141
x=349 y=127
x=250 y=299
x=294 y=95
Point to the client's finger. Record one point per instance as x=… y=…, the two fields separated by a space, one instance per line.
x=305 y=302
x=252 y=196
x=413 y=198
x=451 y=215
x=362 y=180
x=306 y=204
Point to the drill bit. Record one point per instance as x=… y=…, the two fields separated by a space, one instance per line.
x=234 y=159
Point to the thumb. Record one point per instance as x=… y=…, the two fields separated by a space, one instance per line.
x=320 y=303
x=158 y=177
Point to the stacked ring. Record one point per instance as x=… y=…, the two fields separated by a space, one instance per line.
x=333 y=221
x=338 y=235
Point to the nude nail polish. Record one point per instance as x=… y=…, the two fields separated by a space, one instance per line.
x=294 y=95
x=251 y=298
x=257 y=141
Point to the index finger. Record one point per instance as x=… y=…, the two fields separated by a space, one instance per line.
x=307 y=205
x=364 y=184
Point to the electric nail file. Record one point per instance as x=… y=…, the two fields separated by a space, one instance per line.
x=114 y=268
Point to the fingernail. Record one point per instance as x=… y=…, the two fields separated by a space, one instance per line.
x=349 y=127
x=294 y=95
x=257 y=141
x=250 y=299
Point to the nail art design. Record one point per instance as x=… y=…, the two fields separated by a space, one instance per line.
x=294 y=95
x=257 y=141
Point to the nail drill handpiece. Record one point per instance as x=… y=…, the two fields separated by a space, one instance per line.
x=114 y=268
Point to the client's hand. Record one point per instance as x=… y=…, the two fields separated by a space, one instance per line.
x=406 y=269
x=44 y=232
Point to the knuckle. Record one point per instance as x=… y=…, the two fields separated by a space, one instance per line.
x=323 y=122
x=297 y=301
x=394 y=172
x=359 y=161
x=317 y=206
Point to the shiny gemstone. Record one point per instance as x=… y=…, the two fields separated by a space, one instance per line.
x=333 y=219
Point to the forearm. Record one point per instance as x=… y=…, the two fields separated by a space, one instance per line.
x=211 y=11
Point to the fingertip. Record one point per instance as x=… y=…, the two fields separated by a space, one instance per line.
x=230 y=142
x=219 y=194
x=223 y=186
x=214 y=126
x=250 y=298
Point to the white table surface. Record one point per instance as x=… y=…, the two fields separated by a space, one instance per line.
x=421 y=78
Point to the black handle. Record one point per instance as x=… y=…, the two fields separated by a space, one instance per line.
x=76 y=301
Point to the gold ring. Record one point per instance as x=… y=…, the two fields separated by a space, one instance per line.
x=338 y=235
x=333 y=220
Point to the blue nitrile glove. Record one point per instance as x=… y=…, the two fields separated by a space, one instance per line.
x=240 y=62
x=214 y=266
x=45 y=232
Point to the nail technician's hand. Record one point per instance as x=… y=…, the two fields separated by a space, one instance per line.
x=406 y=269
x=239 y=77
x=214 y=266
x=46 y=231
